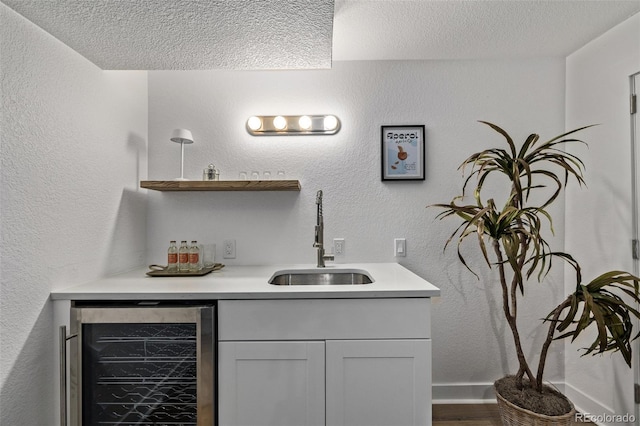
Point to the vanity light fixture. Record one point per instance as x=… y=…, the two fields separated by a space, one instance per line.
x=291 y=125
x=181 y=136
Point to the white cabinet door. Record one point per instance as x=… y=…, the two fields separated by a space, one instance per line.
x=378 y=382
x=271 y=384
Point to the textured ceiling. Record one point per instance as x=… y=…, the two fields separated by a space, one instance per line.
x=308 y=34
x=370 y=29
x=189 y=34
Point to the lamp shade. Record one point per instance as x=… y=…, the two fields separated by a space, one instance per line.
x=181 y=136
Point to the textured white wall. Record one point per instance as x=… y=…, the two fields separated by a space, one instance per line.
x=600 y=230
x=73 y=149
x=277 y=227
x=71 y=206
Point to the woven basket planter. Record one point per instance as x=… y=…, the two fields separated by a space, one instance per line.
x=512 y=415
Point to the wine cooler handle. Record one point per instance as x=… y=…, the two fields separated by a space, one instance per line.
x=63 y=373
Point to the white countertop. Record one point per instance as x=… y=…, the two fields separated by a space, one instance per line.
x=250 y=282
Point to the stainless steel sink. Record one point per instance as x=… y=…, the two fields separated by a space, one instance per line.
x=321 y=277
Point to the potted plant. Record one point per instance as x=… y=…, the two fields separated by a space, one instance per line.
x=512 y=239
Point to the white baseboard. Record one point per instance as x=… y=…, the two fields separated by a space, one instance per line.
x=463 y=393
x=598 y=413
x=468 y=393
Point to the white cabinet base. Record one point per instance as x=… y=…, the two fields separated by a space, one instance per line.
x=342 y=362
x=271 y=384
x=378 y=383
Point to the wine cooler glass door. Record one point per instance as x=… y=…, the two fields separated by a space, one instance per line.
x=143 y=366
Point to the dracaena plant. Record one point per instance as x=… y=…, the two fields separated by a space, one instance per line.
x=512 y=239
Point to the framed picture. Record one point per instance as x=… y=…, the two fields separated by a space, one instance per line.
x=403 y=152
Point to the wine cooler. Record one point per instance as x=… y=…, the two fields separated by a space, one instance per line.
x=142 y=364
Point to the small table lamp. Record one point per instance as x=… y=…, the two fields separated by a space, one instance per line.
x=181 y=136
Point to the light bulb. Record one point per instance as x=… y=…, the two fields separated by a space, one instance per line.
x=305 y=122
x=330 y=122
x=279 y=122
x=254 y=123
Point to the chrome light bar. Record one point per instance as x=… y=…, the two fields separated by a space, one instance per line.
x=290 y=125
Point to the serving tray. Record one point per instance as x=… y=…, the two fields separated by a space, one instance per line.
x=161 y=271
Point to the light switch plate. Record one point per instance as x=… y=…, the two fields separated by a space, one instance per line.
x=338 y=247
x=400 y=247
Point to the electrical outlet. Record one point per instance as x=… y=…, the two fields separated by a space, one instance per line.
x=229 y=249
x=338 y=246
x=400 y=247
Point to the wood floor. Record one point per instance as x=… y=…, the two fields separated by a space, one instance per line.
x=468 y=415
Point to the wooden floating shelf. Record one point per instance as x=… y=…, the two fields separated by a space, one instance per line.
x=221 y=185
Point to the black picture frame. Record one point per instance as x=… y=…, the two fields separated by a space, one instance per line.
x=402 y=152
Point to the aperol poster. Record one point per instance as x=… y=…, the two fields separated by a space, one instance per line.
x=403 y=153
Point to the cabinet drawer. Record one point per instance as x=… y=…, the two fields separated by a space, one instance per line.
x=321 y=319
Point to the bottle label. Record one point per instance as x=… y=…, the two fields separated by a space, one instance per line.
x=184 y=257
x=173 y=258
x=194 y=257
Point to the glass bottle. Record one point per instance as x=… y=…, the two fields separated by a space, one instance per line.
x=211 y=173
x=183 y=257
x=194 y=257
x=172 y=257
